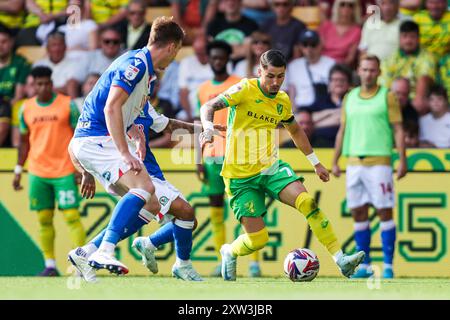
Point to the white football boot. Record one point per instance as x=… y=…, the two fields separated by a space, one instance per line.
x=102 y=260
x=228 y=263
x=347 y=264
x=148 y=254
x=185 y=272
x=79 y=260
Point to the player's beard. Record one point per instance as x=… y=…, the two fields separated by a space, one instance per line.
x=221 y=71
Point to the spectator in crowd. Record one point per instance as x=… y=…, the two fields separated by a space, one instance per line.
x=401 y=88
x=304 y=118
x=100 y=59
x=107 y=13
x=381 y=38
x=81 y=32
x=413 y=63
x=435 y=126
x=341 y=35
x=409 y=7
x=233 y=28
x=12 y=13
x=41 y=12
x=248 y=68
x=135 y=30
x=443 y=77
x=258 y=10
x=30 y=92
x=307 y=77
x=169 y=92
x=189 y=14
x=87 y=86
x=47 y=122
x=326 y=7
x=14 y=70
x=284 y=29
x=411 y=135
x=327 y=116
x=66 y=74
x=194 y=70
x=434 y=25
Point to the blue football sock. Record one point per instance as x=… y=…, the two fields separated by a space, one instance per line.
x=388 y=235
x=126 y=210
x=163 y=235
x=182 y=233
x=362 y=239
x=135 y=225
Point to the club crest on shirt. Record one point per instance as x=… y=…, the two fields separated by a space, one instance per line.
x=279 y=108
x=131 y=72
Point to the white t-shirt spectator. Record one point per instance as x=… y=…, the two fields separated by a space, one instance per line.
x=78 y=36
x=63 y=71
x=380 y=39
x=436 y=131
x=191 y=74
x=297 y=76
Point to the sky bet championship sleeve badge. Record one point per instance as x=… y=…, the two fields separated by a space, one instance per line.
x=131 y=72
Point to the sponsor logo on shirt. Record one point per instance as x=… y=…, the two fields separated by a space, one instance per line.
x=262 y=117
x=131 y=72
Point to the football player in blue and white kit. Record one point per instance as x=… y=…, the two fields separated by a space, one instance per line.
x=103 y=140
x=173 y=205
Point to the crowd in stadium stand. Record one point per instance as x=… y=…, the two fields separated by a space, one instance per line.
x=81 y=38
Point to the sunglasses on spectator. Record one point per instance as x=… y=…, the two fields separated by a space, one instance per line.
x=281 y=4
x=136 y=13
x=266 y=42
x=347 y=4
x=111 y=41
x=310 y=44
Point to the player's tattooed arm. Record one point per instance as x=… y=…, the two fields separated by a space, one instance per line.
x=174 y=124
x=208 y=109
x=178 y=124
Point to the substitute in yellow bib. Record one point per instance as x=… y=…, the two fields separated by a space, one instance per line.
x=252 y=168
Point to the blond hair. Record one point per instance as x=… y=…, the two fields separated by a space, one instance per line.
x=356 y=11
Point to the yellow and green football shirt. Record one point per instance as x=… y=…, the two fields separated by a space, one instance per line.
x=444 y=73
x=252 y=120
x=434 y=35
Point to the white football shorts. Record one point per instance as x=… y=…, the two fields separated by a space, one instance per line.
x=370 y=184
x=100 y=157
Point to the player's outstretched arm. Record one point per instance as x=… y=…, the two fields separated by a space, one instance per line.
x=301 y=141
x=207 y=115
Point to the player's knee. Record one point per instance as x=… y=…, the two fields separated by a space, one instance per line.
x=186 y=213
x=45 y=217
x=258 y=240
x=305 y=203
x=71 y=215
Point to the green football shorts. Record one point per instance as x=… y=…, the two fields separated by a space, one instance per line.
x=247 y=195
x=44 y=191
x=214 y=185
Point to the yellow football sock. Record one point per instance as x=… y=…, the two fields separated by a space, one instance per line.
x=218 y=228
x=76 y=229
x=249 y=242
x=255 y=256
x=47 y=233
x=318 y=222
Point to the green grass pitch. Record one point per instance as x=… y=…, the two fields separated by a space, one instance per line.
x=166 y=288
